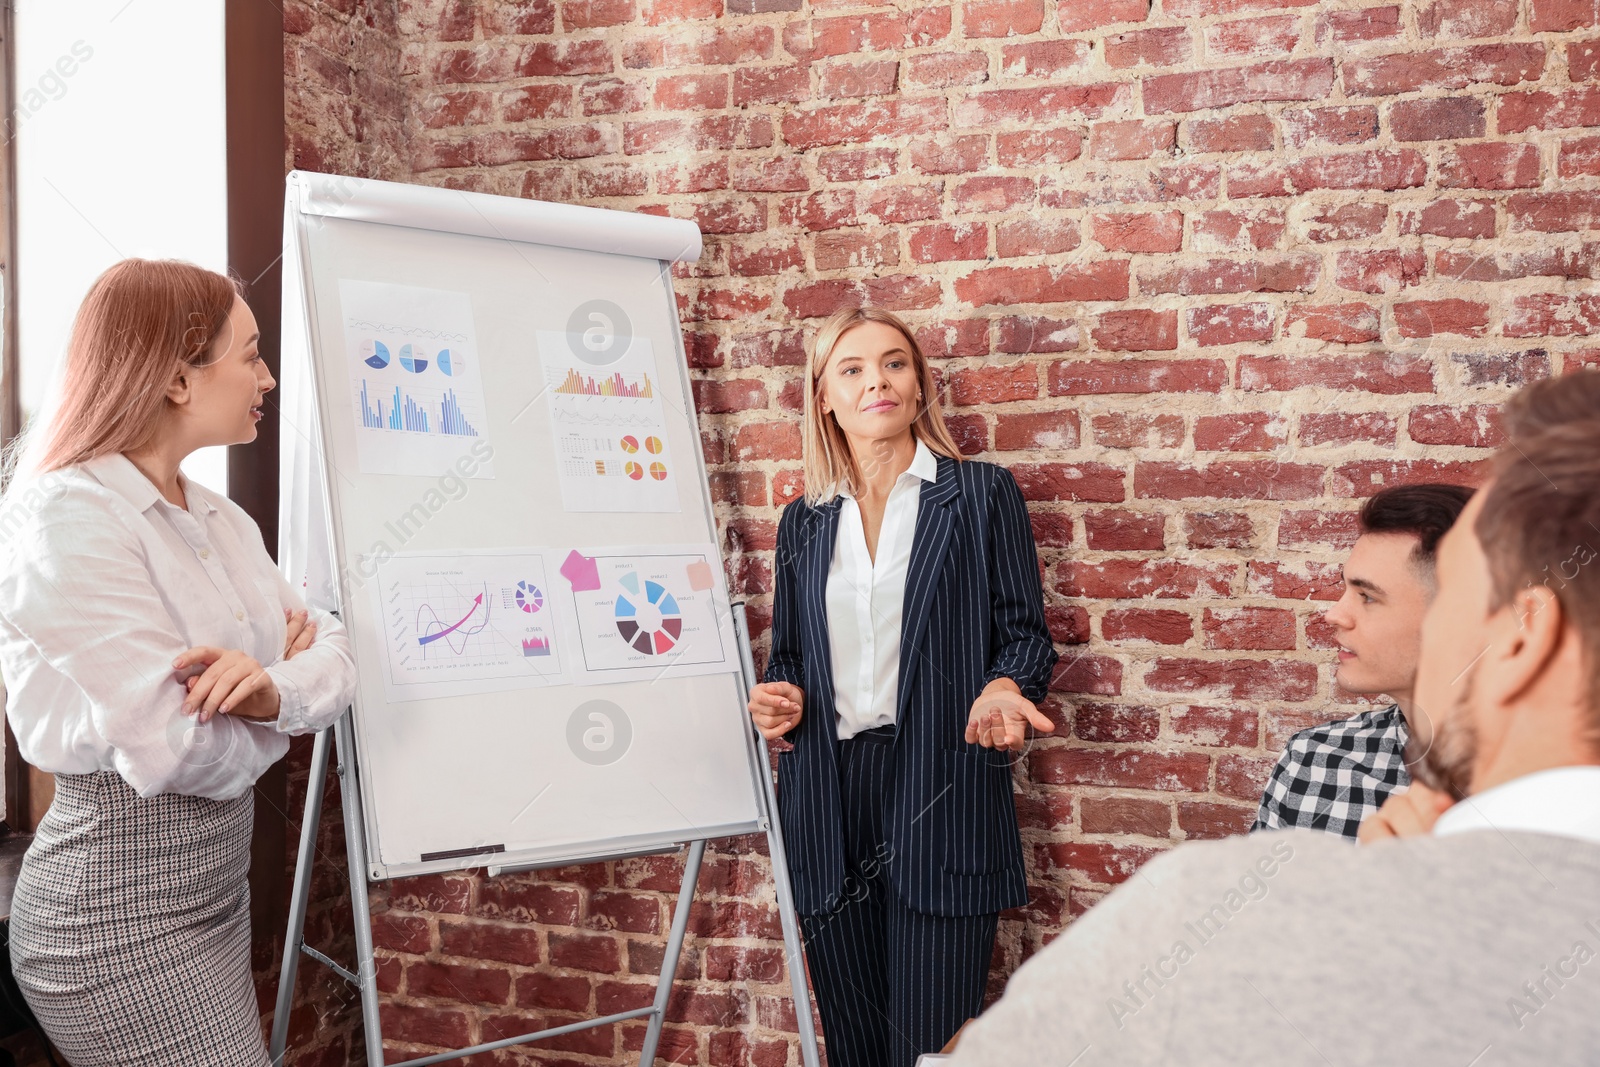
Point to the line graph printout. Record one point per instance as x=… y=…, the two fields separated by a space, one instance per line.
x=609 y=426
x=471 y=622
x=415 y=391
x=644 y=613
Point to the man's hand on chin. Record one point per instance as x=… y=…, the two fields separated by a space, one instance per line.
x=1408 y=814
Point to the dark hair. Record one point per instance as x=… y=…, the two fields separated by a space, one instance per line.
x=1426 y=511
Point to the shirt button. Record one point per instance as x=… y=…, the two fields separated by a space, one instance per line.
x=239 y=615
x=205 y=553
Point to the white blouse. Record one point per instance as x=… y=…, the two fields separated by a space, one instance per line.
x=103 y=583
x=865 y=599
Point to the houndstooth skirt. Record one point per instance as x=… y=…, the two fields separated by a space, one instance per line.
x=130 y=928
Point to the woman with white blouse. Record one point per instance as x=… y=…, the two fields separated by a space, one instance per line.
x=156 y=663
x=908 y=648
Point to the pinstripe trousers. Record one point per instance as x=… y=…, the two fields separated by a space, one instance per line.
x=891 y=983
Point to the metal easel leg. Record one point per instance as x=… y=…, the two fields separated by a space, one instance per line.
x=793 y=950
x=294 y=937
x=669 y=960
x=356 y=854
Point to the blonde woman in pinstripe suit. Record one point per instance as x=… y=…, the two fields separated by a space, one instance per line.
x=908 y=648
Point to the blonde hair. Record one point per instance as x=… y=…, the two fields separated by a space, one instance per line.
x=830 y=465
x=142 y=322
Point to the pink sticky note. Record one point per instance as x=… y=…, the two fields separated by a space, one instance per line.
x=581 y=571
x=700 y=576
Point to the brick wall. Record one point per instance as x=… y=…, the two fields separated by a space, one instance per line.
x=1203 y=275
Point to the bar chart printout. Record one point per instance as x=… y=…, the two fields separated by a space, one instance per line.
x=417 y=395
x=609 y=426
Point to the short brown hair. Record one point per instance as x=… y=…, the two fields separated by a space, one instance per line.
x=142 y=321
x=1540 y=523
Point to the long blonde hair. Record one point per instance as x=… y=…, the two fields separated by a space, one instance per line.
x=830 y=466
x=142 y=322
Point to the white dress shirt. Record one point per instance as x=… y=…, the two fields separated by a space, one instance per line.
x=1563 y=800
x=866 y=598
x=103 y=583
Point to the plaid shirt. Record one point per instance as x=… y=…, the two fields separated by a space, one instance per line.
x=1334 y=775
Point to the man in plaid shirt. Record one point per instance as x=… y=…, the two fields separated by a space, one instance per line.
x=1332 y=776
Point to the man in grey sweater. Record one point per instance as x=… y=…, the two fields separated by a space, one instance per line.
x=1465 y=931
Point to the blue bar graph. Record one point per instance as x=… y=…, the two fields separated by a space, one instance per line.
x=416 y=417
x=452 y=421
x=370 y=418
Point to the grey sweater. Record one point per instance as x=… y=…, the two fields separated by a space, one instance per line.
x=1294 y=947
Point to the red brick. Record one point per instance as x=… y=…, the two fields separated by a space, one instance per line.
x=423 y=1025
x=1366 y=477
x=767 y=85
x=894 y=292
x=1450 y=218
x=1124 y=531
x=1176 y=772
x=1361 y=24
x=1301 y=529
x=1368 y=373
x=1027 y=334
x=1579 y=158
x=1035 y=236
x=845 y=123
x=1001 y=18
x=1154 y=626
x=1298 y=581
x=1124 y=579
x=589 y=14
x=1383 y=271
x=1095 y=482
x=1125 y=815
x=1520 y=112
x=1552 y=315
x=1443 y=68
x=691 y=91
x=1255 y=431
x=1122 y=430
x=448 y=981
x=1029 y=430
x=1255 y=629
x=1338 y=323
x=1329 y=125
x=1098 y=861
x=994 y=384
x=1380 y=169
x=1463 y=19
x=1041 y=105
x=1103 y=280
x=1238 y=231
x=662 y=11
x=1446 y=118
x=1267 y=273
x=1244 y=679
x=1547 y=15
x=1218 y=529
x=1272 y=35
x=1343 y=428
x=1227 y=324
x=1583 y=60
x=1232 y=479
x=1216 y=727
x=1074 y=16
x=940 y=70
x=813 y=39
x=1132 y=139
x=1032 y=147
x=1115 y=723
x=1136 y=330
x=1088 y=673
x=992 y=193
x=1203 y=819
x=1235 y=133
x=1166 y=46
x=1425 y=318
x=949 y=155
x=1476 y=426
x=1079 y=377
x=840 y=80
x=1299 y=79
x=1491 y=165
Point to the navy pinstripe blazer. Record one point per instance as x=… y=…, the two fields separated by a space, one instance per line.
x=974 y=611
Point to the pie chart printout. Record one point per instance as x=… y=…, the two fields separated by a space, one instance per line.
x=649 y=632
